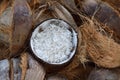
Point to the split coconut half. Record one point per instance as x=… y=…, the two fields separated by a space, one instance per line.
x=54 y=41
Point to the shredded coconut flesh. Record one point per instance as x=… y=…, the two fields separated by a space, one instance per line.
x=52 y=41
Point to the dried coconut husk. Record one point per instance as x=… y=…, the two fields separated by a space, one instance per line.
x=97 y=9
x=15 y=26
x=52 y=9
x=23 y=64
x=103 y=50
x=71 y=70
x=3 y=5
x=5 y=30
x=70 y=5
x=35 y=4
x=76 y=71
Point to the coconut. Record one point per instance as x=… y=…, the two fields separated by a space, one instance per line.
x=103 y=50
x=98 y=10
x=15 y=26
x=35 y=71
x=103 y=74
x=4 y=70
x=56 y=77
x=54 y=41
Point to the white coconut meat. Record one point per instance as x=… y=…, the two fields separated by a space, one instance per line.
x=53 y=41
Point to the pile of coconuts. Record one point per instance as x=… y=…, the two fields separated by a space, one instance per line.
x=94 y=33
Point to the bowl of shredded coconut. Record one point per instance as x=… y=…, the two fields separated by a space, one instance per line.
x=54 y=41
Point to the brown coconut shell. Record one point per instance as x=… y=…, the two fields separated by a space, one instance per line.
x=56 y=77
x=15 y=26
x=4 y=70
x=22 y=22
x=103 y=74
x=115 y=4
x=10 y=69
x=21 y=68
x=17 y=70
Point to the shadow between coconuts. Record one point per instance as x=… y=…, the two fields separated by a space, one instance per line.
x=55 y=67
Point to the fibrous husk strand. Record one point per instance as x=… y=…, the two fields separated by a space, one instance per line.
x=103 y=50
x=53 y=10
x=5 y=32
x=24 y=65
x=3 y=5
x=97 y=9
x=71 y=70
x=75 y=70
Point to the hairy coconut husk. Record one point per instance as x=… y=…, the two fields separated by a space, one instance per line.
x=15 y=26
x=92 y=46
x=99 y=10
x=53 y=9
x=3 y=5
x=23 y=64
x=71 y=70
x=11 y=38
x=5 y=31
x=35 y=4
x=75 y=70
x=103 y=50
x=70 y=5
